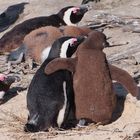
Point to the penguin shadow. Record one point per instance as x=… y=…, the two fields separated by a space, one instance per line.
x=121 y=97
x=12 y=93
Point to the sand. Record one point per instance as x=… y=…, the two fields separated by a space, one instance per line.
x=13 y=113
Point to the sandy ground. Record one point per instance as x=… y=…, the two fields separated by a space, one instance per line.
x=13 y=112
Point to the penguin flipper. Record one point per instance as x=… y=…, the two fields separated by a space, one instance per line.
x=125 y=79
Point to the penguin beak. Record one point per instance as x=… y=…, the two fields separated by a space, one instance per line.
x=82 y=9
x=80 y=39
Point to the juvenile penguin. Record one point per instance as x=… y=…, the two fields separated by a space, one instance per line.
x=92 y=82
x=49 y=97
x=43 y=38
x=67 y=16
x=5 y=83
x=10 y=15
x=39 y=50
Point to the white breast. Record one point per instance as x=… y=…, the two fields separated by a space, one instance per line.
x=45 y=54
x=61 y=113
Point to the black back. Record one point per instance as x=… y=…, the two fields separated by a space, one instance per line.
x=10 y=15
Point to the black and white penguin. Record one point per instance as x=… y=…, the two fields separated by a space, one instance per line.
x=5 y=83
x=10 y=15
x=49 y=97
x=67 y=16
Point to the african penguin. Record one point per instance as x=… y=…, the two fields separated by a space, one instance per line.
x=92 y=79
x=70 y=15
x=49 y=97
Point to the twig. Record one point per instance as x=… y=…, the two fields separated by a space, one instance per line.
x=130 y=124
x=121 y=44
x=93 y=26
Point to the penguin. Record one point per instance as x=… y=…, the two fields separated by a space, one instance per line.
x=87 y=1
x=95 y=100
x=49 y=97
x=70 y=15
x=5 y=83
x=92 y=83
x=43 y=38
x=10 y=15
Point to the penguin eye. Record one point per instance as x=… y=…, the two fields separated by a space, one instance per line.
x=72 y=45
x=75 y=10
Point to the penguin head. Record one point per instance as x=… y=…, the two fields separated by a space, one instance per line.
x=65 y=46
x=6 y=81
x=73 y=14
x=96 y=40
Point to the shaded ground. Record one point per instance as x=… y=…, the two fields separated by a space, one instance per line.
x=13 y=112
